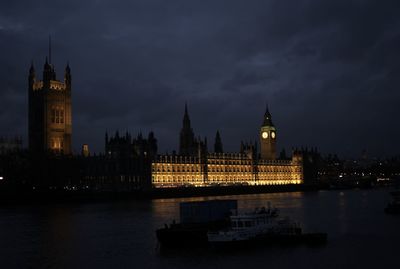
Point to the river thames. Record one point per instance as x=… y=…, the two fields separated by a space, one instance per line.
x=122 y=234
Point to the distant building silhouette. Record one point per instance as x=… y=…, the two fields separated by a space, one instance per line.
x=9 y=145
x=127 y=147
x=125 y=166
x=312 y=164
x=50 y=121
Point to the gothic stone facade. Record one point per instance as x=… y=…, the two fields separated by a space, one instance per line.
x=198 y=168
x=50 y=122
x=224 y=169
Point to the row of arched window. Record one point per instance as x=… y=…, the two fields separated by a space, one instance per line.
x=229 y=168
x=176 y=168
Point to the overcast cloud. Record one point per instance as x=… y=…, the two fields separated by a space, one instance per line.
x=329 y=70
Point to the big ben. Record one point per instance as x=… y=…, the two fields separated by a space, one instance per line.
x=268 y=137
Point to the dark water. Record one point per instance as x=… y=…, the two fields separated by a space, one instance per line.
x=121 y=234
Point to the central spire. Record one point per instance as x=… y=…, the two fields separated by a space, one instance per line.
x=49 y=49
x=186 y=119
x=267 y=117
x=187 y=145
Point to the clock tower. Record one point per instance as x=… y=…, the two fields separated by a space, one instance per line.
x=268 y=138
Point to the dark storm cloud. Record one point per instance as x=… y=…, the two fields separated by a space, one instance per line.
x=328 y=69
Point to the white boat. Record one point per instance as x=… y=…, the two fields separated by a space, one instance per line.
x=262 y=226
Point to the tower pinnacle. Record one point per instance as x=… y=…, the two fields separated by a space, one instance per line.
x=49 y=49
x=218 y=143
x=32 y=68
x=267 y=117
x=187 y=139
x=186 y=119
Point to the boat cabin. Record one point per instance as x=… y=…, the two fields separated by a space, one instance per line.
x=247 y=221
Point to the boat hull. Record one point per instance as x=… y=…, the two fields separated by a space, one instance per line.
x=197 y=238
x=274 y=239
x=182 y=237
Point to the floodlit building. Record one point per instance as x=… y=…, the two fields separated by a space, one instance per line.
x=196 y=167
x=50 y=121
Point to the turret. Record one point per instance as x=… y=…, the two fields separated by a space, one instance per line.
x=218 y=143
x=187 y=144
x=106 y=143
x=48 y=72
x=67 y=77
x=153 y=148
x=32 y=71
x=32 y=76
x=186 y=119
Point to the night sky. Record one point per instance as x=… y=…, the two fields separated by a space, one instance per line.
x=329 y=70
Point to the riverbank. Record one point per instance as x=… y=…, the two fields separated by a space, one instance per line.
x=73 y=196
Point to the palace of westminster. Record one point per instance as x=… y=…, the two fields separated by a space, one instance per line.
x=133 y=163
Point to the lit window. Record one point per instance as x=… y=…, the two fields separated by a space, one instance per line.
x=57 y=116
x=61 y=115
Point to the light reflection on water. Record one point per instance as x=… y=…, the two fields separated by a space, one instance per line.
x=121 y=234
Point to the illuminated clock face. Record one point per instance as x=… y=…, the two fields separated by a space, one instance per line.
x=273 y=134
x=264 y=135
